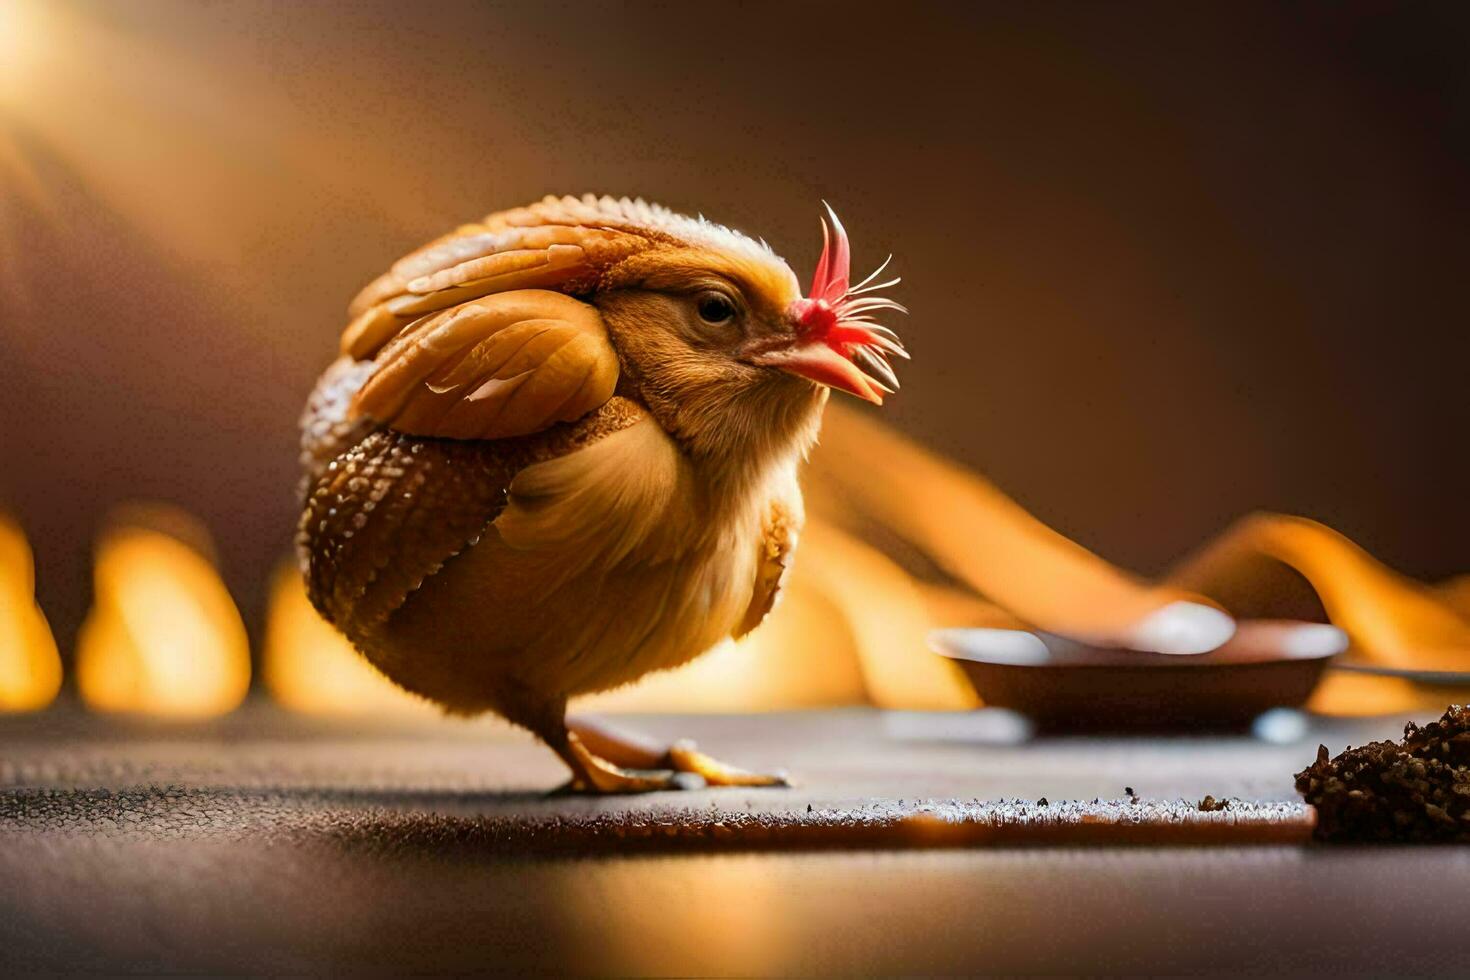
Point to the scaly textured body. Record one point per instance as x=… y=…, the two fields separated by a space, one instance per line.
x=560 y=451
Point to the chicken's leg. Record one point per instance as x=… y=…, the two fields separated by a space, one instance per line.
x=637 y=753
x=591 y=771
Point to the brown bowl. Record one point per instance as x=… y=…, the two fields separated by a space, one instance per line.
x=1064 y=685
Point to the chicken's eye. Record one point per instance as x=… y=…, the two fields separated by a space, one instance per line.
x=716 y=308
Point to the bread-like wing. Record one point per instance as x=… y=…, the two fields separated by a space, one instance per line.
x=568 y=244
x=506 y=364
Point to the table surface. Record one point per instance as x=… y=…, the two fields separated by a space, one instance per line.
x=266 y=842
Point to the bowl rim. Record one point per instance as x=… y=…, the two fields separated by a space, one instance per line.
x=1035 y=649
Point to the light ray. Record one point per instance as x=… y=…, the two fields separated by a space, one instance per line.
x=177 y=149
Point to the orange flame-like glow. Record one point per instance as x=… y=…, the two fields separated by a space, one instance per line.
x=30 y=668
x=164 y=637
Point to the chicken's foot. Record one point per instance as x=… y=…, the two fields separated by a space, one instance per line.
x=593 y=769
x=620 y=749
x=593 y=774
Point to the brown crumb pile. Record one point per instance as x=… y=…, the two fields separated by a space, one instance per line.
x=1415 y=790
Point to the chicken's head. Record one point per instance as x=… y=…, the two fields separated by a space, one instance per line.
x=726 y=305
x=707 y=327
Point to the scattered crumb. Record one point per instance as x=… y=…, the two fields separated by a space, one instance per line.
x=1128 y=791
x=1043 y=802
x=1414 y=790
x=1209 y=804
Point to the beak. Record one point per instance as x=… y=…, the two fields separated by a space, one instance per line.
x=817 y=361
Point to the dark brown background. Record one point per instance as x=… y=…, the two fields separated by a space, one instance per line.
x=1168 y=263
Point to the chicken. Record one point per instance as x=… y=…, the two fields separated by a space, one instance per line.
x=559 y=450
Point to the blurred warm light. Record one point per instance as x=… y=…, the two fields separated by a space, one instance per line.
x=106 y=104
x=308 y=666
x=1362 y=695
x=890 y=618
x=866 y=476
x=1391 y=620
x=28 y=32
x=739 y=917
x=163 y=637
x=27 y=36
x=121 y=113
x=962 y=524
x=1456 y=594
x=30 y=668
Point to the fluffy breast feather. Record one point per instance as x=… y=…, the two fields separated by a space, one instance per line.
x=630 y=498
x=659 y=563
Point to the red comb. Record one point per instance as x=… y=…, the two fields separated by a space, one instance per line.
x=832 y=277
